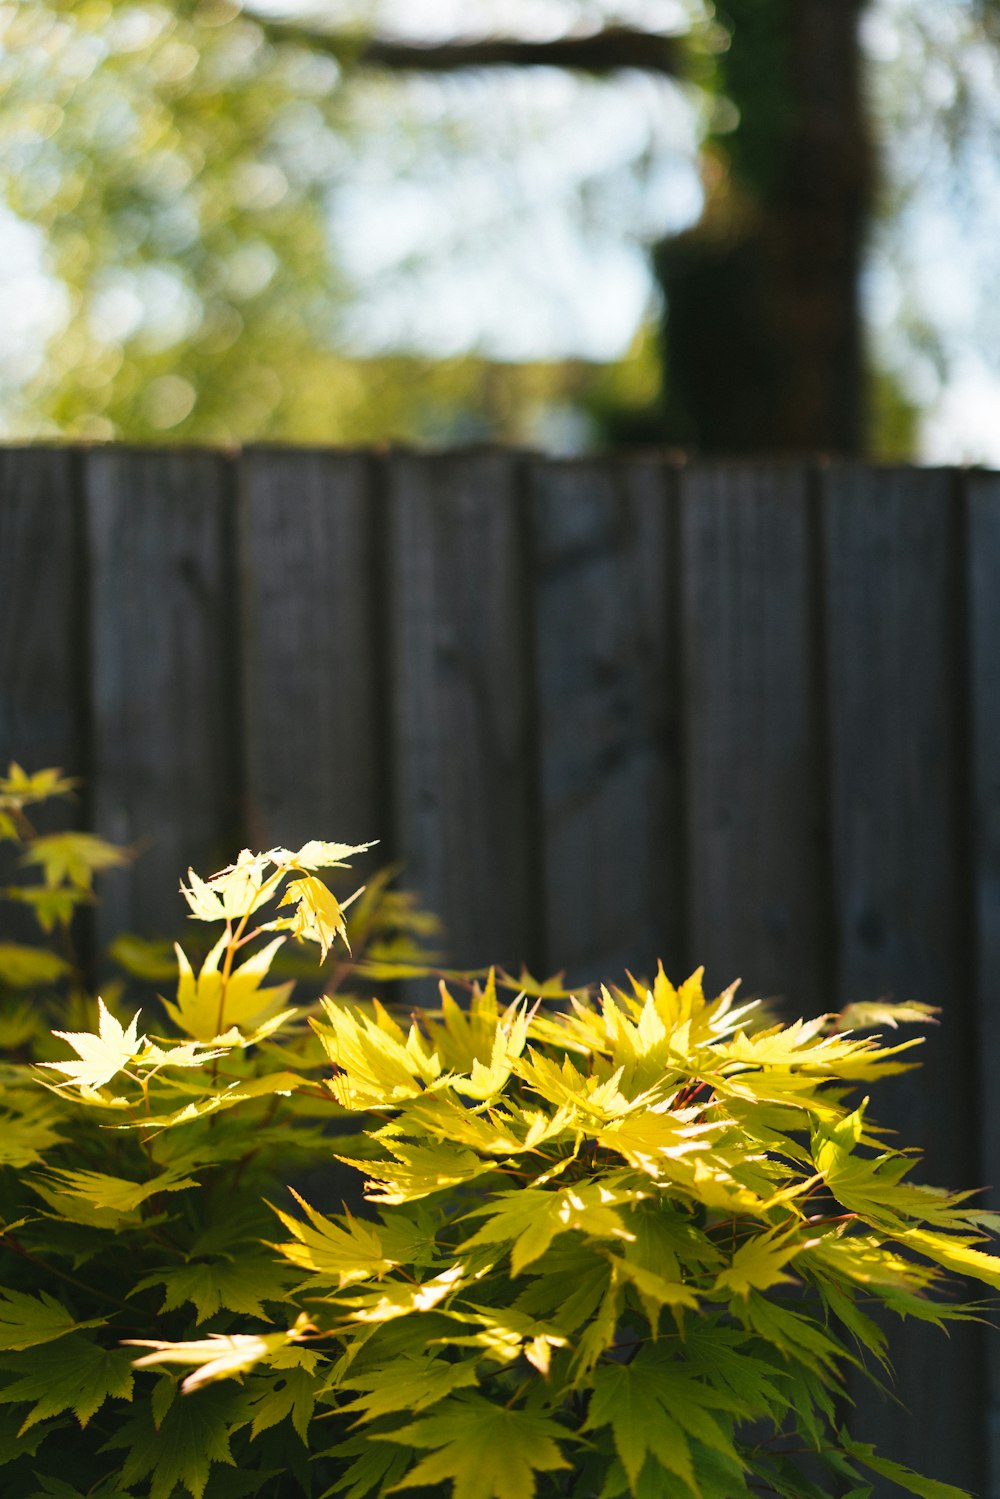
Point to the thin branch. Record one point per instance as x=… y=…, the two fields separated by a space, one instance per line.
x=597 y=53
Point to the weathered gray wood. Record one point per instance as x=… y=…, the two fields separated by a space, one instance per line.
x=605 y=602
x=166 y=757
x=897 y=745
x=461 y=746
x=313 y=686
x=753 y=758
x=42 y=641
x=983 y=575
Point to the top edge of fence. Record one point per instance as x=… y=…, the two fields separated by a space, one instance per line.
x=669 y=457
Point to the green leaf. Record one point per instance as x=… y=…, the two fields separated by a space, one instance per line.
x=115 y=1193
x=20 y=789
x=153 y=961
x=73 y=858
x=26 y=1135
x=407 y=1384
x=757 y=1264
x=241 y=1285
x=374 y=1467
x=532 y=1217
x=488 y=1452
x=26 y=967
x=73 y=1374
x=654 y=1408
x=192 y=1437
x=15 y=1443
x=418 y=1170
x=913 y=1483
x=57 y=1488
x=867 y=1015
x=292 y=1392
x=52 y=907
x=26 y=1321
x=341 y=1254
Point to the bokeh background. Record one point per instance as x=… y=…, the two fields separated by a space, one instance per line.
x=601 y=705
x=651 y=220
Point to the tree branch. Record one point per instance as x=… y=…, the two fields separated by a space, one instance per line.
x=598 y=53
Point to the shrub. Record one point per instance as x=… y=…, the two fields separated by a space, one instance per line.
x=614 y=1242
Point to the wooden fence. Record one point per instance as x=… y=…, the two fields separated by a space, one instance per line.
x=746 y=715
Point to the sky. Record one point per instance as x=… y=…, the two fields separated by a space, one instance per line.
x=496 y=248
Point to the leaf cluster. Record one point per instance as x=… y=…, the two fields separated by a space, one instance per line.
x=615 y=1241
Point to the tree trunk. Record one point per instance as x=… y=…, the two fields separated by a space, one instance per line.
x=763 y=343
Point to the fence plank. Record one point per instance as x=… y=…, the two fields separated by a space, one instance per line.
x=896 y=711
x=756 y=854
x=43 y=705
x=165 y=734
x=312 y=681
x=983 y=534
x=605 y=648
x=461 y=752
x=42 y=642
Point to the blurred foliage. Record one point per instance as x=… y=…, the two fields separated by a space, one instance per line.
x=180 y=167
x=177 y=166
x=184 y=167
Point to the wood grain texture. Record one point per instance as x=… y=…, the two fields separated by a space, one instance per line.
x=604 y=586
x=755 y=835
x=896 y=669
x=311 y=674
x=166 y=763
x=461 y=752
x=982 y=500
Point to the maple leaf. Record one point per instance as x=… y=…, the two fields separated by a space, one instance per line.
x=757 y=1264
x=193 y=1435
x=341 y=1254
x=240 y=1285
x=532 y=1218
x=26 y=967
x=319 y=916
x=417 y=1170
x=206 y=1004
x=318 y=855
x=292 y=1392
x=377 y=1063
x=27 y=1133
x=73 y=858
x=219 y=1356
x=73 y=1374
x=905 y=1478
x=26 y=1320
x=394 y=1299
x=19 y=789
x=103 y=1055
x=409 y=1384
x=373 y=1470
x=652 y=1407
x=51 y=907
x=487 y=1451
x=115 y=1193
